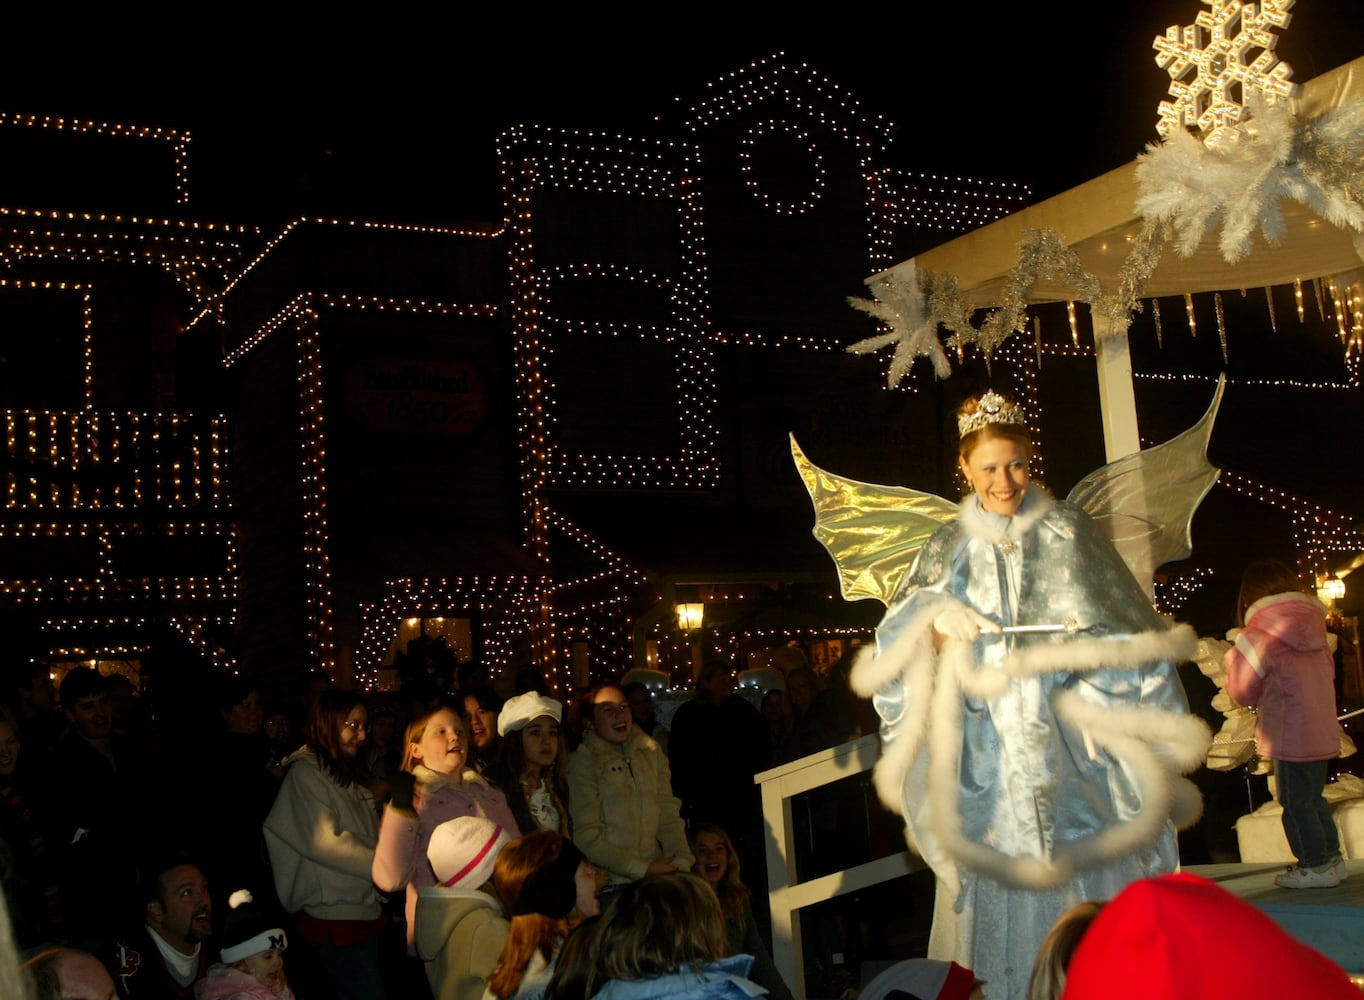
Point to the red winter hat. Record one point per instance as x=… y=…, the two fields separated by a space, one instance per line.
x=921 y=979
x=1183 y=936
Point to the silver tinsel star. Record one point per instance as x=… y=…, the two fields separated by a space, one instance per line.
x=902 y=305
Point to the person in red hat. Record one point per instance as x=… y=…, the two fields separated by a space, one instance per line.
x=1181 y=935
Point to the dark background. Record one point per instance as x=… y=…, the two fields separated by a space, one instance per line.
x=394 y=114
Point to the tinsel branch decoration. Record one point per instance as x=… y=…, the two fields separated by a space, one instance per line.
x=915 y=304
x=1318 y=162
x=913 y=307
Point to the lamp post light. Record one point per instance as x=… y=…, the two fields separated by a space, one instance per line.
x=690 y=618
x=1330 y=590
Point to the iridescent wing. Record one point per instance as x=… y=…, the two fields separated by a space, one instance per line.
x=1145 y=502
x=871 y=531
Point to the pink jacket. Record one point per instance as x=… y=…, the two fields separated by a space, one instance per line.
x=400 y=857
x=1282 y=667
x=223 y=982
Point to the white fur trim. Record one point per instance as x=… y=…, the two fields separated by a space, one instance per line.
x=1155 y=746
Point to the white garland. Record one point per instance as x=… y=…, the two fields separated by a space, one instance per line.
x=1185 y=188
x=1318 y=162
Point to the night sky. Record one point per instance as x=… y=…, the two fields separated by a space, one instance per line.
x=395 y=115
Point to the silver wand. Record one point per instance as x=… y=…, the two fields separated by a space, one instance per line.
x=1070 y=626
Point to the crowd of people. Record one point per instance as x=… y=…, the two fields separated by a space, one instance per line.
x=358 y=845
x=456 y=844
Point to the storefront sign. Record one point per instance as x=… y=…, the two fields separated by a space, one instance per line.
x=416 y=396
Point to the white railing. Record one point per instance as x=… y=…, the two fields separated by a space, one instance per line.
x=779 y=786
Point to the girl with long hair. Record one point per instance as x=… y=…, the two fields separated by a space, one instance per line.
x=482 y=705
x=548 y=888
x=531 y=764
x=718 y=863
x=321 y=833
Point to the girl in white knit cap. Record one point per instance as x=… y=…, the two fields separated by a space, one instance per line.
x=460 y=929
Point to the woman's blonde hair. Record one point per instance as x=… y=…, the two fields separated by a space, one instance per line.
x=731 y=889
x=659 y=924
x=1058 y=947
x=416 y=729
x=528 y=932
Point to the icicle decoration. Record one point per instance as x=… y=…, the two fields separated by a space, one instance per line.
x=1188 y=308
x=1357 y=328
x=1155 y=313
x=1037 y=339
x=1339 y=307
x=1269 y=301
x=1297 y=294
x=1321 y=298
x=1074 y=329
x=1221 y=324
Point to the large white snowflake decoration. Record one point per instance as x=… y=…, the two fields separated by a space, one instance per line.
x=1212 y=79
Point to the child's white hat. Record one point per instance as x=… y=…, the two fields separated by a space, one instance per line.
x=462 y=851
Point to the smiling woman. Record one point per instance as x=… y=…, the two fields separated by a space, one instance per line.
x=1033 y=768
x=625 y=816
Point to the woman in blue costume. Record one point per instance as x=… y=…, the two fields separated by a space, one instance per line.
x=1035 y=768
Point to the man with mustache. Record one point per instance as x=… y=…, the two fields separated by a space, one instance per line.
x=165 y=957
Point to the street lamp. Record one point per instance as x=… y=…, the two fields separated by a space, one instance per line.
x=689 y=619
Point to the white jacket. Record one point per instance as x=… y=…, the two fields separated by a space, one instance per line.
x=321 y=841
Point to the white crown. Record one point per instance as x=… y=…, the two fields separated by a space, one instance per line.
x=991 y=408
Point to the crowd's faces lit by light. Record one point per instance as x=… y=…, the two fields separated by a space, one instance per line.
x=247 y=716
x=444 y=743
x=9 y=748
x=997 y=469
x=92 y=717
x=712 y=857
x=184 y=913
x=482 y=722
x=588 y=880
x=611 y=719
x=265 y=967
x=353 y=731
x=540 y=741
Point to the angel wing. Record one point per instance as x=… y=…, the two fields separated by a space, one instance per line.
x=871 y=531
x=1146 y=501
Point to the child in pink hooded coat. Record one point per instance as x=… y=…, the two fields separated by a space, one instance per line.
x=1282 y=666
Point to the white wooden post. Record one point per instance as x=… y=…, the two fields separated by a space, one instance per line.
x=788 y=896
x=1117 y=400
